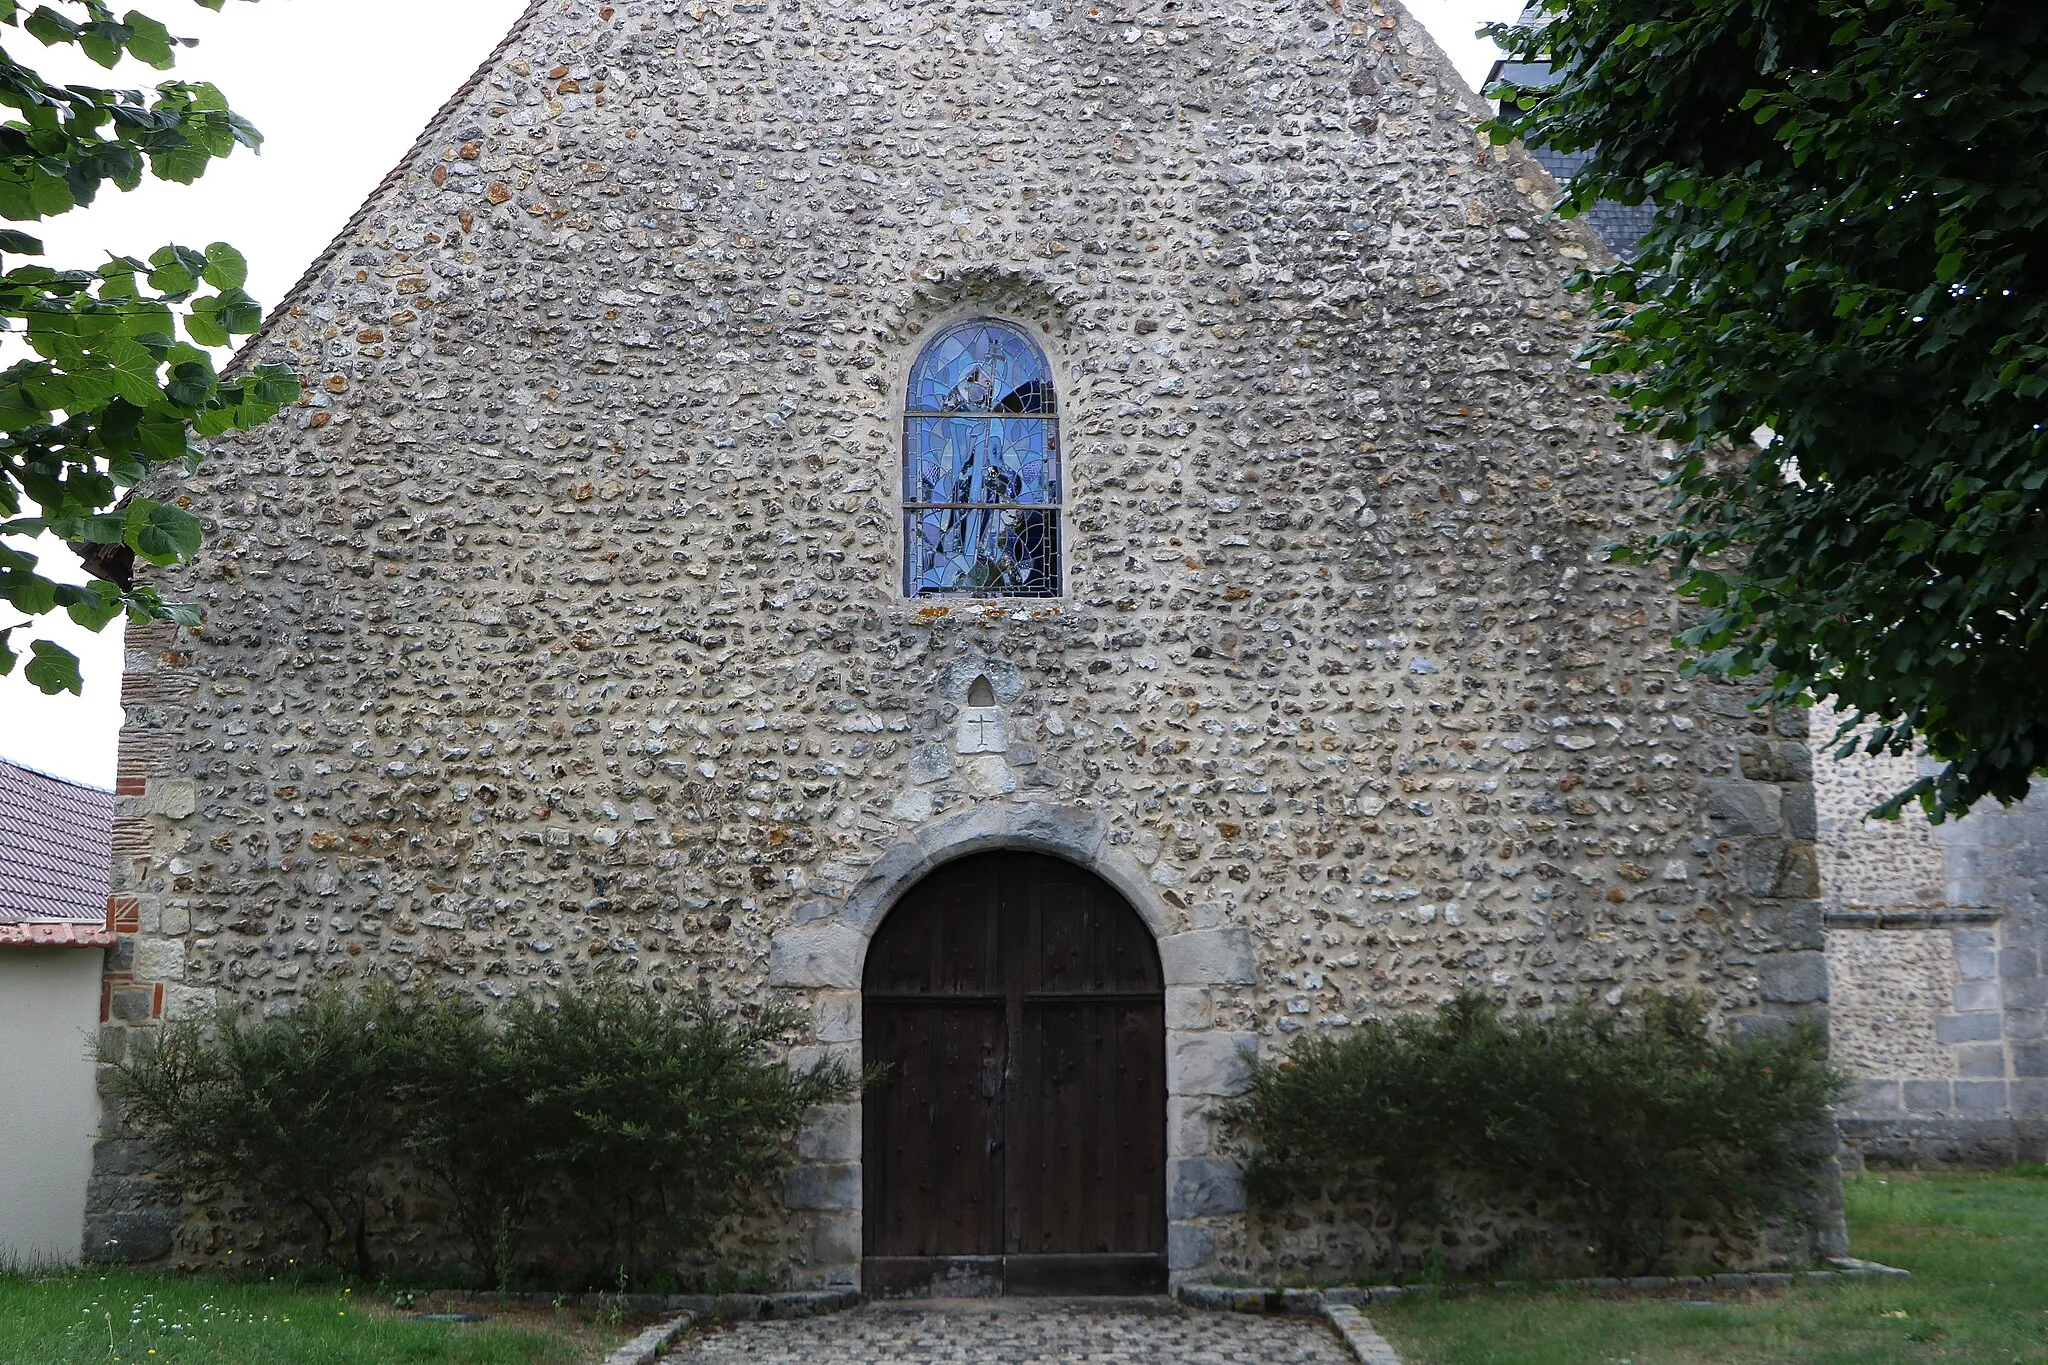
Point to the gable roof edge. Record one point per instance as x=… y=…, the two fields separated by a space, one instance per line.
x=245 y=356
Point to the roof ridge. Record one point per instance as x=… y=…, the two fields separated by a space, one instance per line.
x=246 y=354
x=55 y=777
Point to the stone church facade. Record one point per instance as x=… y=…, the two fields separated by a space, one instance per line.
x=576 y=623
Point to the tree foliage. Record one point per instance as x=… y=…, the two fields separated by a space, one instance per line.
x=109 y=388
x=1853 y=202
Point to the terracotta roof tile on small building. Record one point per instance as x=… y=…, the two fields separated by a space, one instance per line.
x=55 y=850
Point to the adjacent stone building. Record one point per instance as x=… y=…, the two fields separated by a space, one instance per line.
x=1935 y=941
x=577 y=622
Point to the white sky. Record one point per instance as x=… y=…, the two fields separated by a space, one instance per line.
x=340 y=89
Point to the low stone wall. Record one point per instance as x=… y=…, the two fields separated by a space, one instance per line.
x=1485 y=1233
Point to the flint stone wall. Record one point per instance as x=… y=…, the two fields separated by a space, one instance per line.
x=559 y=632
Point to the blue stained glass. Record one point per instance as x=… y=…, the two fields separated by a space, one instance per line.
x=981 y=486
x=996 y=552
x=981 y=459
x=981 y=367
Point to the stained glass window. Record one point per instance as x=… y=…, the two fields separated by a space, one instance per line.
x=981 y=469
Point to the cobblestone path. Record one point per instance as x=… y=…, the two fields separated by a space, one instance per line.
x=1023 y=1332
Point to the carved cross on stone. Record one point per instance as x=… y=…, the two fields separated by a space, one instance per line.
x=982 y=731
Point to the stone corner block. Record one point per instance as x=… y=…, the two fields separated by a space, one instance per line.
x=130 y=1236
x=1981 y=1027
x=835 y=1244
x=1208 y=957
x=1211 y=1063
x=1877 y=1096
x=816 y=955
x=831 y=1132
x=831 y=1186
x=174 y=798
x=1926 y=1097
x=1741 y=807
x=1203 y=1187
x=1798 y=978
x=1189 y=1246
x=1980 y=1096
x=1798 y=872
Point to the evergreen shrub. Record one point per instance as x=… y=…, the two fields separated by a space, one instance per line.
x=600 y=1139
x=1628 y=1121
x=300 y=1108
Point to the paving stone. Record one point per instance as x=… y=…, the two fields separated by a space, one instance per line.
x=1025 y=1332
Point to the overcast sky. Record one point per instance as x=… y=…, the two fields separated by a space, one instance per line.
x=340 y=89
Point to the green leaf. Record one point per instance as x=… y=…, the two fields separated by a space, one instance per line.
x=103 y=42
x=49 y=191
x=202 y=324
x=192 y=385
x=54 y=669
x=134 y=371
x=238 y=312
x=93 y=605
x=183 y=161
x=172 y=278
x=149 y=41
x=20 y=243
x=49 y=28
x=105 y=529
x=225 y=268
x=28 y=592
x=161 y=439
x=161 y=534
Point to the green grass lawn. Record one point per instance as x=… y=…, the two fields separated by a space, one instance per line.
x=81 y=1317
x=1977 y=1246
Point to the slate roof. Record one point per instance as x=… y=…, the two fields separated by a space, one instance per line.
x=1621 y=226
x=56 y=841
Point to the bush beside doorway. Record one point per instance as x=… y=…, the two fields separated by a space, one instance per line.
x=1630 y=1126
x=595 y=1141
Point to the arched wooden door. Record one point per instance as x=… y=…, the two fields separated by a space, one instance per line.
x=1018 y=1142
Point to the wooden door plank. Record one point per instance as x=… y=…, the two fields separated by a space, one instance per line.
x=933 y=1176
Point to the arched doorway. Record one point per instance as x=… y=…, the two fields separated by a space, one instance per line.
x=1018 y=1142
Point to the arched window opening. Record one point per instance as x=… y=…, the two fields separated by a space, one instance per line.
x=981 y=476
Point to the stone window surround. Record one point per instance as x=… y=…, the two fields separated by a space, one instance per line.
x=910 y=346
x=824 y=953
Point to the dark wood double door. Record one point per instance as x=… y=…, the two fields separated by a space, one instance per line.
x=1017 y=1143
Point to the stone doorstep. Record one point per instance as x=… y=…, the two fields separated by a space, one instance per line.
x=797 y=1303
x=1338 y=1307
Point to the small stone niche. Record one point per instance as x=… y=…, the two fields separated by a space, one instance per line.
x=982 y=728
